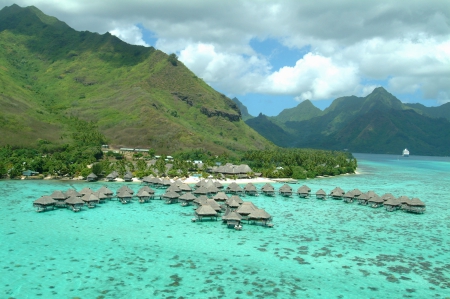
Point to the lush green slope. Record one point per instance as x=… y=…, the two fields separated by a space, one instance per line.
x=244 y=111
x=436 y=112
x=377 y=123
x=303 y=111
x=139 y=96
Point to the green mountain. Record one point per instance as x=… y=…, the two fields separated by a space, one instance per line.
x=244 y=111
x=138 y=96
x=303 y=111
x=436 y=112
x=270 y=130
x=377 y=123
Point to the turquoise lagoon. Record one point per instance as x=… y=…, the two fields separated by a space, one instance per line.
x=316 y=249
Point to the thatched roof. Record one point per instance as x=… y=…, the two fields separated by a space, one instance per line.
x=349 y=194
x=90 y=197
x=171 y=194
x=285 y=188
x=250 y=187
x=73 y=200
x=166 y=182
x=371 y=194
x=234 y=187
x=205 y=210
x=218 y=185
x=173 y=188
x=235 y=198
x=376 y=199
x=58 y=195
x=45 y=201
x=185 y=187
x=73 y=192
x=86 y=190
x=213 y=204
x=356 y=192
x=106 y=190
x=101 y=195
x=125 y=188
x=143 y=193
x=415 y=202
x=387 y=196
x=337 y=192
x=246 y=208
x=392 y=202
x=128 y=176
x=403 y=199
x=147 y=189
x=303 y=189
x=92 y=176
x=267 y=187
x=233 y=216
x=187 y=197
x=259 y=214
x=321 y=192
x=364 y=196
x=220 y=196
x=124 y=194
x=232 y=203
x=201 y=190
x=201 y=200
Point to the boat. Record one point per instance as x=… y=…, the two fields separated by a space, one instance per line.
x=405 y=153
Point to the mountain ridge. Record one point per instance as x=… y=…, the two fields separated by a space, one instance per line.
x=138 y=96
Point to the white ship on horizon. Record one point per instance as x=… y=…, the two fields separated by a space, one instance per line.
x=405 y=153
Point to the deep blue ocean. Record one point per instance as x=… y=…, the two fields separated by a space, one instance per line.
x=316 y=249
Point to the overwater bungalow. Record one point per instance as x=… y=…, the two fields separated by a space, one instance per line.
x=337 y=193
x=392 y=204
x=91 y=200
x=285 y=190
x=218 y=185
x=186 y=199
x=232 y=219
x=321 y=194
x=356 y=193
x=124 y=196
x=185 y=188
x=200 y=200
x=232 y=204
x=387 y=196
x=234 y=188
x=250 y=189
x=73 y=192
x=74 y=203
x=173 y=188
x=348 y=196
x=236 y=198
x=260 y=216
x=214 y=205
x=375 y=201
x=144 y=196
x=44 y=203
x=415 y=205
x=363 y=199
x=245 y=209
x=106 y=191
x=92 y=177
x=220 y=196
x=212 y=189
x=147 y=180
x=403 y=201
x=200 y=191
x=149 y=190
x=268 y=190
x=205 y=211
x=86 y=190
x=170 y=197
x=59 y=198
x=371 y=194
x=128 y=177
x=165 y=182
x=102 y=197
x=125 y=188
x=304 y=191
x=156 y=183
x=111 y=177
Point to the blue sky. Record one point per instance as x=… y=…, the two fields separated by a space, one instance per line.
x=272 y=55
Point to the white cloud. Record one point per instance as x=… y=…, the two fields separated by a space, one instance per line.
x=130 y=34
x=351 y=42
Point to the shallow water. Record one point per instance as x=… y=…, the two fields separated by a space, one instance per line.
x=317 y=249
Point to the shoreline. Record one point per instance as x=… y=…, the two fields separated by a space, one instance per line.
x=194 y=180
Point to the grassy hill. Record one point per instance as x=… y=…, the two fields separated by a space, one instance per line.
x=138 y=96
